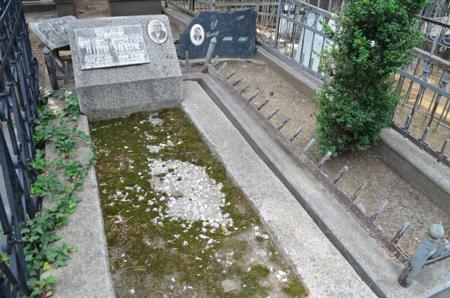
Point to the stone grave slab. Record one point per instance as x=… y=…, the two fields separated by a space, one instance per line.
x=54 y=33
x=111 y=46
x=124 y=65
x=235 y=32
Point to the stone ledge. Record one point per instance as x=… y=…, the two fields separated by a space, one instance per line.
x=87 y=272
x=417 y=167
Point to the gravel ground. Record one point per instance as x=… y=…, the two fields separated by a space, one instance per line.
x=405 y=203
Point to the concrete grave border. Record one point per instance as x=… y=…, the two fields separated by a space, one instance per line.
x=87 y=273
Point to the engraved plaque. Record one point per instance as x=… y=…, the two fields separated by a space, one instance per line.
x=54 y=32
x=103 y=47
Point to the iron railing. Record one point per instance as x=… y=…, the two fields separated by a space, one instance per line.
x=19 y=92
x=299 y=34
x=293 y=31
x=423 y=116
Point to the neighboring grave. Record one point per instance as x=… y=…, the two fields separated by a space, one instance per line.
x=235 y=33
x=54 y=33
x=125 y=65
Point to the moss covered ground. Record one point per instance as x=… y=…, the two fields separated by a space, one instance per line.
x=172 y=258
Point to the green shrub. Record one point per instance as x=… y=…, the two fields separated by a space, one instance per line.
x=372 y=40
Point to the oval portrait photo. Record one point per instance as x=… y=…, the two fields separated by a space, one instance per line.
x=157 y=31
x=197 y=34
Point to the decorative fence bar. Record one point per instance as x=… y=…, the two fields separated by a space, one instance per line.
x=19 y=93
x=299 y=34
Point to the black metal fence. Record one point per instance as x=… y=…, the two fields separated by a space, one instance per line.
x=19 y=93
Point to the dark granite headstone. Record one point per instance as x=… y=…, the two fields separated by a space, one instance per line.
x=110 y=46
x=235 y=33
x=53 y=32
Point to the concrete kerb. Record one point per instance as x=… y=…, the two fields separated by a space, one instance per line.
x=87 y=273
x=373 y=264
x=417 y=167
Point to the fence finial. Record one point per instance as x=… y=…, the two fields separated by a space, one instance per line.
x=423 y=252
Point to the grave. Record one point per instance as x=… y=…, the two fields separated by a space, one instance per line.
x=235 y=33
x=124 y=65
x=54 y=33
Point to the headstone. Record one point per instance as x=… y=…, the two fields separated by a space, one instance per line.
x=235 y=32
x=54 y=33
x=111 y=46
x=124 y=65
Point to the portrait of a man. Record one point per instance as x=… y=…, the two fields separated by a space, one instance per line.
x=157 y=31
x=197 y=34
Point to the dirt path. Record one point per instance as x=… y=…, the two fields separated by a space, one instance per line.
x=405 y=203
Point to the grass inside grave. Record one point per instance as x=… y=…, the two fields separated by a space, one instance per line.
x=168 y=258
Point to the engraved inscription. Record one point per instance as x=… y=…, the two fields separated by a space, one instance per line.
x=111 y=46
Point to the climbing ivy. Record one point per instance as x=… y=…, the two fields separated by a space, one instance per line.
x=57 y=180
x=372 y=39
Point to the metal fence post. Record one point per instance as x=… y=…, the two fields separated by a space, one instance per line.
x=277 y=28
x=424 y=251
x=51 y=68
x=209 y=53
